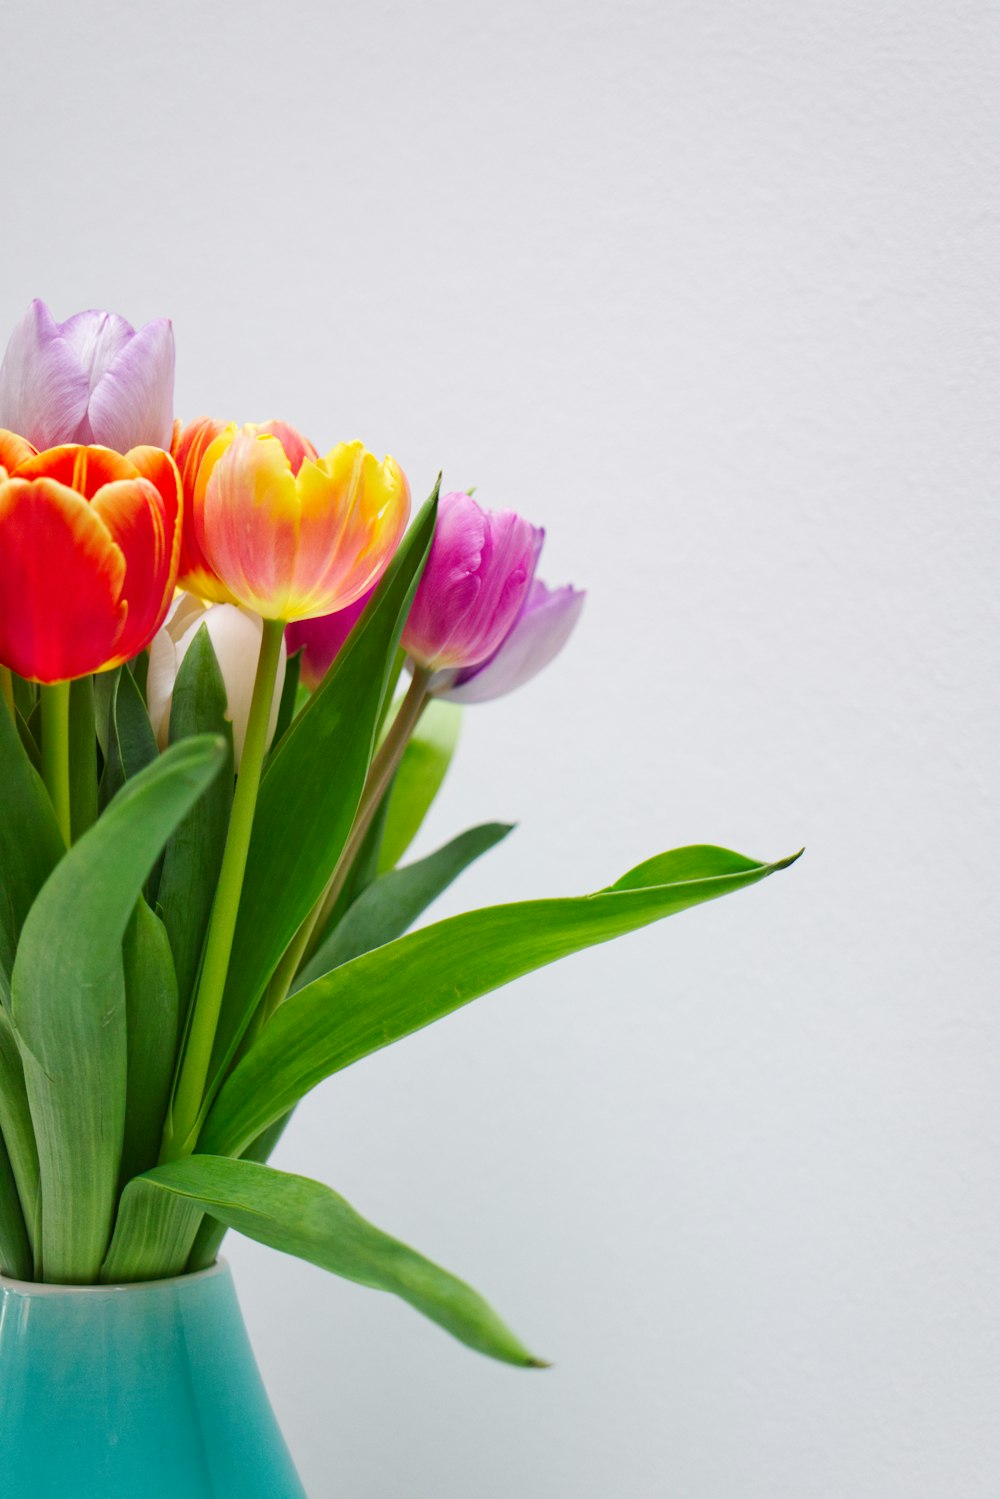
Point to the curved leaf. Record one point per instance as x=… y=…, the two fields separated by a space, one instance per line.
x=390 y=905
x=397 y=989
x=304 y=1218
x=30 y=841
x=68 y=999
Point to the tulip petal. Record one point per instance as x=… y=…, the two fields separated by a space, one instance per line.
x=539 y=634
x=14 y=450
x=85 y=469
x=297 y=448
x=96 y=338
x=43 y=385
x=133 y=512
x=321 y=638
x=248 y=527
x=61 y=581
x=132 y=402
x=196 y=449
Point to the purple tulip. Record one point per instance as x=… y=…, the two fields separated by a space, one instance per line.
x=477 y=577
x=92 y=379
x=321 y=639
x=537 y=636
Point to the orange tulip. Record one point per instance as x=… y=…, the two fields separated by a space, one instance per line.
x=291 y=535
x=196 y=449
x=89 y=550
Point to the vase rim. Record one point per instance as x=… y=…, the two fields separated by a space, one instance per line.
x=55 y=1288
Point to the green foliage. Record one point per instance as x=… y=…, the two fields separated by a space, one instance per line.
x=392 y=903
x=311 y=790
x=304 y=1218
x=68 y=999
x=152 y=1031
x=401 y=987
x=419 y=777
x=193 y=854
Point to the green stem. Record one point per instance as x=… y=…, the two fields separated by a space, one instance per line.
x=181 y=1132
x=55 y=751
x=7 y=689
x=383 y=768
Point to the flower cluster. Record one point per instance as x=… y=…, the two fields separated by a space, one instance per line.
x=100 y=488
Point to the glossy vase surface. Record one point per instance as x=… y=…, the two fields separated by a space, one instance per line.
x=145 y=1391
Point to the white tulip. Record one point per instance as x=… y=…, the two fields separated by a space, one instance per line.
x=235 y=635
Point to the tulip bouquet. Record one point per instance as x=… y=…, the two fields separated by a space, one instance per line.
x=231 y=673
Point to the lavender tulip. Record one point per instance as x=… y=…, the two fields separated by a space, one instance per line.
x=538 y=635
x=91 y=379
x=477 y=577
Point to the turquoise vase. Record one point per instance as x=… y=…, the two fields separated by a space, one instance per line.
x=146 y=1391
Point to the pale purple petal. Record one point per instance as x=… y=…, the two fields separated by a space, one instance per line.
x=320 y=640
x=539 y=634
x=133 y=400
x=43 y=385
x=96 y=338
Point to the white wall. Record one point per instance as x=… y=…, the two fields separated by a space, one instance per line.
x=711 y=291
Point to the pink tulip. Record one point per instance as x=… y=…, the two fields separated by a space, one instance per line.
x=321 y=639
x=477 y=577
x=92 y=379
x=538 y=635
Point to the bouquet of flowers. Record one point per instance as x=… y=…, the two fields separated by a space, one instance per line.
x=231 y=674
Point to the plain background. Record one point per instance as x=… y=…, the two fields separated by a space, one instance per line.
x=710 y=290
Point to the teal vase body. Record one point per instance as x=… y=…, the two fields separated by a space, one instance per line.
x=146 y=1391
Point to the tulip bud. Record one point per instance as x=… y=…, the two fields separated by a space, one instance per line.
x=235 y=635
x=473 y=587
x=538 y=635
x=91 y=379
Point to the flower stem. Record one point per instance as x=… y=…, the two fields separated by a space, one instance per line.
x=181 y=1130
x=7 y=688
x=383 y=768
x=55 y=751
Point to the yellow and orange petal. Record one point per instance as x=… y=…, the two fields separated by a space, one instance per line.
x=196 y=449
x=298 y=545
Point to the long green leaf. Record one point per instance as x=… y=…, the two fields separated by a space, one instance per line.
x=129 y=741
x=15 y=1251
x=30 y=843
x=193 y=855
x=152 y=1029
x=68 y=996
x=389 y=906
x=304 y=1218
x=311 y=789
x=419 y=777
x=397 y=989
x=17 y=1128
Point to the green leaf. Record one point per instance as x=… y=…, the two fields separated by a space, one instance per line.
x=392 y=904
x=15 y=1252
x=129 y=743
x=193 y=854
x=289 y=698
x=211 y=1232
x=304 y=1218
x=418 y=779
x=397 y=989
x=152 y=1030
x=68 y=996
x=311 y=789
x=15 y=1122
x=30 y=842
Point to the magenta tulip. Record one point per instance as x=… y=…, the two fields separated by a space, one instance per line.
x=538 y=634
x=474 y=586
x=91 y=379
x=320 y=639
